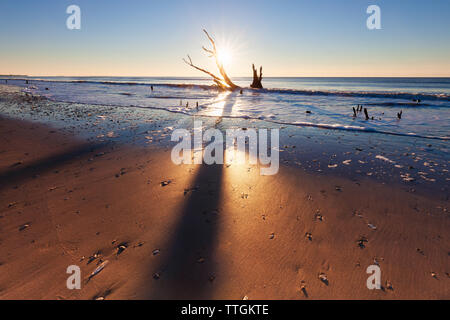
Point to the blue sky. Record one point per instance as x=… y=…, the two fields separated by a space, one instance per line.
x=289 y=38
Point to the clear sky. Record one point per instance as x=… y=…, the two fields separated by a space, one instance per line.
x=289 y=38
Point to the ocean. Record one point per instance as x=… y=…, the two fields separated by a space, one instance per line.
x=326 y=103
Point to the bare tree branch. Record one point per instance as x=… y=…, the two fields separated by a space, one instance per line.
x=200 y=69
x=209 y=51
x=219 y=64
x=224 y=82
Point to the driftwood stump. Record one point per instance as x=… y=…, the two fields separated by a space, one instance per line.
x=256 y=79
x=223 y=81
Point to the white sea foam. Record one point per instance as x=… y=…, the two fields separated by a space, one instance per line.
x=304 y=102
x=384 y=158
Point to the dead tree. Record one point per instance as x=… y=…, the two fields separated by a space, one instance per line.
x=256 y=79
x=223 y=82
x=366 y=113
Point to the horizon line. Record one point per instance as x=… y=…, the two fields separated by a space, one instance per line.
x=200 y=77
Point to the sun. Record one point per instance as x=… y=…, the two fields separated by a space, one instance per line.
x=224 y=56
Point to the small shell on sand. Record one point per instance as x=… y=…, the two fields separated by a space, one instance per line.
x=98 y=269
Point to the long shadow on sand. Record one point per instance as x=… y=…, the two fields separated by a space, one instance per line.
x=19 y=173
x=190 y=268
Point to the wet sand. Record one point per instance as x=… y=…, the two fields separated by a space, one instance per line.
x=203 y=232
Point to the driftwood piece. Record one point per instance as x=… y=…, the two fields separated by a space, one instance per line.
x=256 y=84
x=366 y=113
x=223 y=82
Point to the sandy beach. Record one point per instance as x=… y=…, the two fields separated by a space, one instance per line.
x=77 y=194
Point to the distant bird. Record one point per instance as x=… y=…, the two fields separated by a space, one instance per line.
x=196 y=105
x=242 y=91
x=151 y=87
x=399 y=114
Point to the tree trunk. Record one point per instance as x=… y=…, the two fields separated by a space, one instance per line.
x=256 y=79
x=223 y=82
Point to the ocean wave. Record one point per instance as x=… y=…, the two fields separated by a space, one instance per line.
x=415 y=98
x=357 y=128
x=125 y=83
x=368 y=94
x=269 y=118
x=404 y=104
x=362 y=94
